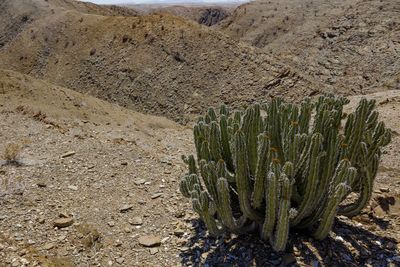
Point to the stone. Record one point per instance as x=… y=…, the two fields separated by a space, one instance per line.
x=296 y=252
x=41 y=184
x=111 y=223
x=153 y=251
x=139 y=181
x=179 y=232
x=390 y=245
x=41 y=220
x=339 y=238
x=120 y=260
x=126 y=208
x=68 y=154
x=179 y=214
x=64 y=214
x=63 y=222
x=156 y=195
x=48 y=246
x=73 y=187
x=135 y=221
x=384 y=189
x=150 y=240
x=379 y=212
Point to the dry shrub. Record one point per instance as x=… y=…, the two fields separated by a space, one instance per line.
x=90 y=235
x=11 y=153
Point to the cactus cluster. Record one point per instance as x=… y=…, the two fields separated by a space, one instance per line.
x=277 y=166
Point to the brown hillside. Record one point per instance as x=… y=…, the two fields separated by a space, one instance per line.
x=263 y=22
x=25 y=94
x=349 y=46
x=206 y=15
x=157 y=63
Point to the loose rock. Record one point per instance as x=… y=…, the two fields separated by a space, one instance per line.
x=150 y=240
x=136 y=221
x=68 y=154
x=126 y=208
x=63 y=222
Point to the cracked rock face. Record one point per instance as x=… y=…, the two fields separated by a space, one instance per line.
x=212 y=16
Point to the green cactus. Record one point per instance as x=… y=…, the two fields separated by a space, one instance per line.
x=280 y=166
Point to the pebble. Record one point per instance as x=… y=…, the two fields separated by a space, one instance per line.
x=379 y=212
x=126 y=208
x=64 y=214
x=63 y=222
x=339 y=238
x=296 y=252
x=48 y=246
x=73 y=187
x=111 y=223
x=135 y=221
x=139 y=181
x=68 y=154
x=150 y=240
x=120 y=260
x=41 y=184
x=153 y=251
x=390 y=245
x=179 y=214
x=178 y=232
x=156 y=195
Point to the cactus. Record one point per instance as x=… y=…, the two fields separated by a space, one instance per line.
x=273 y=168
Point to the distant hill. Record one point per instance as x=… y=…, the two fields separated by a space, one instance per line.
x=159 y=64
x=350 y=46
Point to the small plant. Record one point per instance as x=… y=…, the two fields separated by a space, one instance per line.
x=11 y=153
x=279 y=166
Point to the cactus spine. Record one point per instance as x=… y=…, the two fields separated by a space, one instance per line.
x=283 y=170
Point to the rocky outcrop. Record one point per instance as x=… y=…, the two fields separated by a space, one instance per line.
x=212 y=16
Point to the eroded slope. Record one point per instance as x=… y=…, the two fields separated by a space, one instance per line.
x=157 y=63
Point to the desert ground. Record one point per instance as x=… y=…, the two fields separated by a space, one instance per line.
x=99 y=104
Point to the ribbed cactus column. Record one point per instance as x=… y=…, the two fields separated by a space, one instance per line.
x=311 y=181
x=271 y=207
x=282 y=227
x=243 y=178
x=280 y=165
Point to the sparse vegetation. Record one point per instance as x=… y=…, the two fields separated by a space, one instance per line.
x=284 y=169
x=11 y=153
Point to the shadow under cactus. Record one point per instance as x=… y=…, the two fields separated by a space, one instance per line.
x=350 y=246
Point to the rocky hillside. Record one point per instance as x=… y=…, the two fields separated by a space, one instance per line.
x=157 y=63
x=263 y=22
x=349 y=46
x=206 y=15
x=97 y=184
